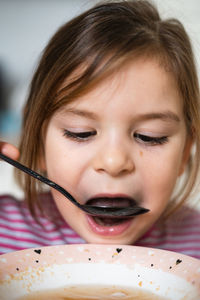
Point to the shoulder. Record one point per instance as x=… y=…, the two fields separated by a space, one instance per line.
x=183 y=231
x=17 y=209
x=11 y=205
x=185 y=217
x=7 y=202
x=19 y=230
x=179 y=233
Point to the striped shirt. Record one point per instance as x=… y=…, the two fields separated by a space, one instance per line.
x=18 y=230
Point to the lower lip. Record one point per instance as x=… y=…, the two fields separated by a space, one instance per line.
x=108 y=230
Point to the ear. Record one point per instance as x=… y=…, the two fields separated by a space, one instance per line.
x=186 y=154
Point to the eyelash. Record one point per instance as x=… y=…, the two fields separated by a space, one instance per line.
x=150 y=140
x=79 y=136
x=85 y=135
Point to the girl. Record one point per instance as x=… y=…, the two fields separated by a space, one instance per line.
x=112 y=116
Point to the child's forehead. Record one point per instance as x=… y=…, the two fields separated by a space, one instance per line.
x=140 y=87
x=135 y=75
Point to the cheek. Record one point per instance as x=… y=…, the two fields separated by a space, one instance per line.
x=68 y=170
x=67 y=209
x=64 y=174
x=64 y=205
x=59 y=163
x=159 y=176
x=72 y=215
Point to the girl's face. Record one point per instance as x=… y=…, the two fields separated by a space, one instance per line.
x=126 y=139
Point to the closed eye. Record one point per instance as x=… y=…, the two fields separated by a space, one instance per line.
x=79 y=136
x=150 y=140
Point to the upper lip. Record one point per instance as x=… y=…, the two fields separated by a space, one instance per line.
x=109 y=195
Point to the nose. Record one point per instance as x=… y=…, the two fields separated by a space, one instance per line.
x=115 y=160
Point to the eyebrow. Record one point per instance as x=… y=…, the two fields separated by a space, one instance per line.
x=164 y=116
x=81 y=113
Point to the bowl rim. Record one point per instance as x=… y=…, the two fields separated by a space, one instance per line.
x=15 y=265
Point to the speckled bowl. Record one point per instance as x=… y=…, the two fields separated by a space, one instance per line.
x=118 y=272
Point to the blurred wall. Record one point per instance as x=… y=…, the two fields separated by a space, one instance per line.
x=26 y=26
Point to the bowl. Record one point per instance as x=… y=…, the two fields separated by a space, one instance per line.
x=88 y=271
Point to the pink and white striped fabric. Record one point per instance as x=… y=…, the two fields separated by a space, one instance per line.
x=179 y=233
x=18 y=230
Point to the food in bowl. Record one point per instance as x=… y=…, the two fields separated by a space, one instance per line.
x=93 y=293
x=98 y=272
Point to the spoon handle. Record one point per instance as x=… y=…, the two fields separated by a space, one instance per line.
x=41 y=178
x=113 y=212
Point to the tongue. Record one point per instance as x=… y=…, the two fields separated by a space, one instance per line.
x=108 y=221
x=111 y=202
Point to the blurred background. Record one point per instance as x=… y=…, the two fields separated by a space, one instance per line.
x=25 y=28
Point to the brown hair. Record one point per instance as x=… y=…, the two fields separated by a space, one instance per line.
x=89 y=48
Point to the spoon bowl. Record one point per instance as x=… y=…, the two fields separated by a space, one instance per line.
x=100 y=211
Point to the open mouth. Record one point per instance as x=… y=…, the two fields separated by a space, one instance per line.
x=106 y=202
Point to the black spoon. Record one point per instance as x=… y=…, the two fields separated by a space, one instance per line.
x=100 y=211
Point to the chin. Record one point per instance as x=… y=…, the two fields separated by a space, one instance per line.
x=109 y=240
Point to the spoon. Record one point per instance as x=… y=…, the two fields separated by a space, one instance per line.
x=100 y=211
